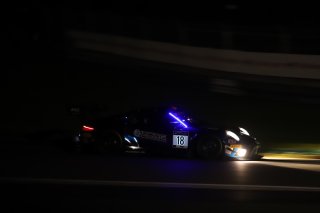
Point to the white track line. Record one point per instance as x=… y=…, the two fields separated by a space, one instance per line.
x=159 y=184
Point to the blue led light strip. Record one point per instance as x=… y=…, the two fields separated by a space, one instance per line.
x=180 y=121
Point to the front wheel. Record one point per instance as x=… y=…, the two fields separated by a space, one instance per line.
x=209 y=148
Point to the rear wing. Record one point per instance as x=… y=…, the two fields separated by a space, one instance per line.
x=85 y=111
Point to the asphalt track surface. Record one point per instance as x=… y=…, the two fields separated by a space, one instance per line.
x=50 y=181
x=53 y=182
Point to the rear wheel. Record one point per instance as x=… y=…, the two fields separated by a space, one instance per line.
x=209 y=148
x=109 y=142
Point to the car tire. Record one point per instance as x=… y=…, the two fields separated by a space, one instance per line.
x=209 y=148
x=109 y=142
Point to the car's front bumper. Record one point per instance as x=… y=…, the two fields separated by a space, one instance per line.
x=242 y=151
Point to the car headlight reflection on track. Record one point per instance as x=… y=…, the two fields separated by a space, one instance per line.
x=233 y=135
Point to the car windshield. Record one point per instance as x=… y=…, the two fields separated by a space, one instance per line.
x=187 y=117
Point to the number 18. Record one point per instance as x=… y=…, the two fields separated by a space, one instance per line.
x=180 y=140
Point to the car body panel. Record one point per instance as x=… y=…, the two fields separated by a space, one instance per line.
x=168 y=129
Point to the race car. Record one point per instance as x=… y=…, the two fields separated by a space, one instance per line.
x=165 y=130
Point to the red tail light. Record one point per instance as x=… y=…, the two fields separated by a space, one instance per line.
x=87 y=128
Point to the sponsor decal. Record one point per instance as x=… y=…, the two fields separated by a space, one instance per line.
x=150 y=135
x=235 y=146
x=228 y=152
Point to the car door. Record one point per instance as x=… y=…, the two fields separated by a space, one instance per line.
x=153 y=132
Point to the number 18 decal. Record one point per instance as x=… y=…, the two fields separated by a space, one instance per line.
x=180 y=140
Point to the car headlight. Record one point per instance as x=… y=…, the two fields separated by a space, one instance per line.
x=232 y=135
x=241 y=152
x=243 y=131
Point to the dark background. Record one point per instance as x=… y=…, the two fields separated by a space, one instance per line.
x=45 y=74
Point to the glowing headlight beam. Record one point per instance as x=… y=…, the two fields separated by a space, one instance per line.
x=178 y=119
x=241 y=152
x=233 y=135
x=243 y=131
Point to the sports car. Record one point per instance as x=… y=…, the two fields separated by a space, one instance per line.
x=165 y=130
